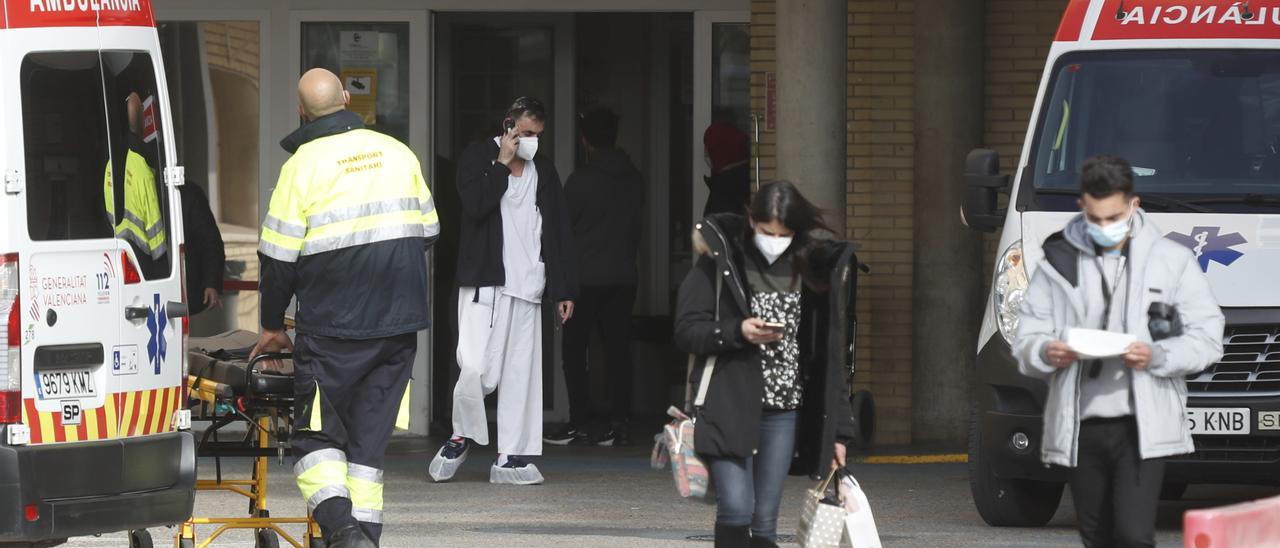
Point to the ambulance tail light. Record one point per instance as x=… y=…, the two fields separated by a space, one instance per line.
x=131 y=274
x=11 y=352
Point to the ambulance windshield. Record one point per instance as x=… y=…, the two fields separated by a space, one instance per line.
x=1200 y=127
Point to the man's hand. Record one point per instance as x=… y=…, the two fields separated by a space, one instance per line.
x=566 y=311
x=211 y=298
x=839 y=458
x=1059 y=354
x=754 y=331
x=270 y=342
x=507 y=146
x=1138 y=356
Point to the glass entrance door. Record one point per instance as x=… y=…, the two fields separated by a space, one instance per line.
x=721 y=85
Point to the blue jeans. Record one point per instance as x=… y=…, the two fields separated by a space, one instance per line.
x=749 y=490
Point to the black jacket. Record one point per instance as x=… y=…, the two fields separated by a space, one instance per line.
x=605 y=199
x=730 y=190
x=729 y=420
x=362 y=292
x=206 y=256
x=481 y=183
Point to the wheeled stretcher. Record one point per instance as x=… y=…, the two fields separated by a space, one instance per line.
x=227 y=388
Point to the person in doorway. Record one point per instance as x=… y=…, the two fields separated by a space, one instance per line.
x=1111 y=269
x=515 y=250
x=756 y=299
x=727 y=149
x=140 y=221
x=206 y=253
x=605 y=199
x=351 y=206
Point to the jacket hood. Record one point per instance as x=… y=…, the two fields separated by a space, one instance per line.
x=729 y=226
x=324 y=126
x=1143 y=233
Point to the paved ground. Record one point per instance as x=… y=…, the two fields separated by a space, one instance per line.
x=597 y=497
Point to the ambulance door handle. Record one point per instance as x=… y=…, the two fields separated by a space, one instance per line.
x=177 y=310
x=136 y=313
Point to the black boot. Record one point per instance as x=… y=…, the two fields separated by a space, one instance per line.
x=350 y=536
x=761 y=542
x=733 y=536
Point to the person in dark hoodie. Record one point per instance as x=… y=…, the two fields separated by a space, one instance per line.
x=515 y=250
x=727 y=149
x=764 y=300
x=604 y=198
x=206 y=253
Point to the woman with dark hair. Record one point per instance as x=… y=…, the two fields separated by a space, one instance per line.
x=762 y=301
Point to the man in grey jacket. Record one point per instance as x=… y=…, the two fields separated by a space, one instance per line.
x=1113 y=419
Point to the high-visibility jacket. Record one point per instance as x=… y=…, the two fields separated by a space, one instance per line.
x=142 y=222
x=349 y=221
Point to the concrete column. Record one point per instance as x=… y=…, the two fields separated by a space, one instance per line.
x=812 y=51
x=947 y=282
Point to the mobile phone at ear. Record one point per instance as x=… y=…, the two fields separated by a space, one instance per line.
x=508 y=125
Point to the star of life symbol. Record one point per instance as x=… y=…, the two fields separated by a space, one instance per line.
x=157 y=320
x=1210 y=246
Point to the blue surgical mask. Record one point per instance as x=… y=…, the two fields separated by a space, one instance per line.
x=1112 y=234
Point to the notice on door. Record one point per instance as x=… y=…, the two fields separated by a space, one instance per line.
x=362 y=84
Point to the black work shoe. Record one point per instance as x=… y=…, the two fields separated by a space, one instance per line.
x=350 y=536
x=568 y=436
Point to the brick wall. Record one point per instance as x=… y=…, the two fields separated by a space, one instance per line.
x=233 y=46
x=880 y=114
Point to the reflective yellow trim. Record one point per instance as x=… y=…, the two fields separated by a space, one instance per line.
x=365 y=493
x=315 y=421
x=402 y=417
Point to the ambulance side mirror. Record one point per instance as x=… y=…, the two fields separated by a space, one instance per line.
x=984 y=184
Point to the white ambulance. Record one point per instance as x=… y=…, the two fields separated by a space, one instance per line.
x=92 y=368
x=1189 y=92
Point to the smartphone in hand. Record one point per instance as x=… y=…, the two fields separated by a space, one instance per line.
x=775 y=327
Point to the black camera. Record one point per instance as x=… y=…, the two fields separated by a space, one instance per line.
x=1163 y=321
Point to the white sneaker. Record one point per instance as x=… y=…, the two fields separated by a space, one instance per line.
x=448 y=459
x=515 y=472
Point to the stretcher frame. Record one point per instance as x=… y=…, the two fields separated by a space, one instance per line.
x=266 y=413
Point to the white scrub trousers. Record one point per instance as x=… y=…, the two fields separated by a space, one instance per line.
x=499 y=348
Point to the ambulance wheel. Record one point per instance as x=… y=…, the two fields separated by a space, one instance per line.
x=1173 y=491
x=266 y=538
x=1007 y=502
x=140 y=539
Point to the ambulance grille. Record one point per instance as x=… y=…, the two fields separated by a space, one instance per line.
x=1250 y=364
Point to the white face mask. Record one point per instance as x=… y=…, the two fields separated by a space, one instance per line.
x=772 y=247
x=527 y=148
x=1113 y=234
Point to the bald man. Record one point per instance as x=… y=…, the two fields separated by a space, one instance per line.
x=351 y=206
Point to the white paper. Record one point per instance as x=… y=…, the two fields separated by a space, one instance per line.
x=1094 y=343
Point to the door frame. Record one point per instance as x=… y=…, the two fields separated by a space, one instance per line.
x=286 y=120
x=703 y=22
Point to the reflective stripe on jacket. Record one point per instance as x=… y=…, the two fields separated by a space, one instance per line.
x=142 y=222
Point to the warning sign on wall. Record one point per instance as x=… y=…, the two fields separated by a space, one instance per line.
x=362 y=84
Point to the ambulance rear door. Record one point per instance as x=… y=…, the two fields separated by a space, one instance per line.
x=69 y=260
x=152 y=369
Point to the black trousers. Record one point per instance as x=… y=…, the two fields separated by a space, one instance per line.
x=607 y=308
x=357 y=387
x=1115 y=491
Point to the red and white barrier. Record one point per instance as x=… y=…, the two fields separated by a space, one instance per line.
x=1246 y=525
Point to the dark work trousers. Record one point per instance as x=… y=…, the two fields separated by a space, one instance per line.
x=1115 y=491
x=339 y=455
x=607 y=308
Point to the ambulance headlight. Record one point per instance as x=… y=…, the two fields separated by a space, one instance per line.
x=1009 y=289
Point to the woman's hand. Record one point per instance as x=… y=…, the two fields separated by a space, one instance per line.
x=754 y=331
x=839 y=459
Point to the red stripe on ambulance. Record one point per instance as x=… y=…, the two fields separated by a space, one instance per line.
x=1187 y=19
x=77 y=13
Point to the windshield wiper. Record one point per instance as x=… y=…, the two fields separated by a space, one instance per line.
x=1163 y=202
x=1257 y=200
